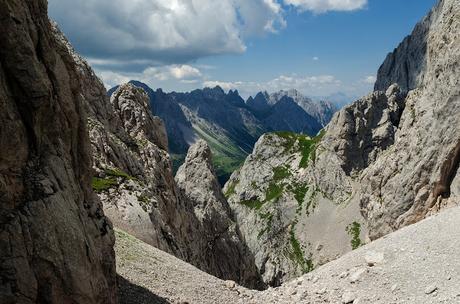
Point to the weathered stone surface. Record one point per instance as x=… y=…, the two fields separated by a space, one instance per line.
x=222 y=251
x=284 y=206
x=56 y=245
x=134 y=180
x=392 y=156
x=418 y=172
x=407 y=63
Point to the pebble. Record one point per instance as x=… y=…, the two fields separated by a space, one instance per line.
x=394 y=287
x=343 y=275
x=348 y=297
x=230 y=284
x=356 y=276
x=372 y=258
x=430 y=289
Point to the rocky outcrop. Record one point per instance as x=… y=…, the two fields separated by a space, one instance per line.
x=407 y=64
x=220 y=246
x=361 y=131
x=134 y=180
x=386 y=161
x=418 y=173
x=132 y=172
x=289 y=207
x=56 y=245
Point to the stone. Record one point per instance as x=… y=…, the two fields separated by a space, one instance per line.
x=357 y=275
x=374 y=258
x=230 y=284
x=431 y=289
x=348 y=297
x=198 y=186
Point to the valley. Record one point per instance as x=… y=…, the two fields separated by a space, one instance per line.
x=135 y=195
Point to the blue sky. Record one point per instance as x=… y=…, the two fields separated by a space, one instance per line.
x=319 y=47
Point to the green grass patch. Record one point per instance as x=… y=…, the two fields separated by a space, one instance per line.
x=280 y=173
x=103 y=184
x=308 y=148
x=300 y=191
x=118 y=173
x=296 y=253
x=231 y=188
x=354 y=231
x=253 y=204
x=305 y=145
x=273 y=192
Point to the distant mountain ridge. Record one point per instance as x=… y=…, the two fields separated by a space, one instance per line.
x=229 y=124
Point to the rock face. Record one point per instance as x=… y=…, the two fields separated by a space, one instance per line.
x=131 y=166
x=289 y=208
x=419 y=172
x=222 y=250
x=384 y=162
x=134 y=180
x=56 y=243
x=230 y=125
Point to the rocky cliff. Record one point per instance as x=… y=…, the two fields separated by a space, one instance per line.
x=56 y=243
x=419 y=173
x=230 y=125
x=384 y=162
x=133 y=177
x=222 y=250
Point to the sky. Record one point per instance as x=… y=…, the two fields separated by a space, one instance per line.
x=319 y=47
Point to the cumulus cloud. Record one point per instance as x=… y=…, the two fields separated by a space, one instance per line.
x=370 y=79
x=310 y=85
x=156 y=32
x=322 y=6
x=154 y=75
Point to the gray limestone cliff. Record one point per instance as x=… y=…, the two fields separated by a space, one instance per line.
x=56 y=245
x=134 y=179
x=419 y=173
x=222 y=250
x=386 y=161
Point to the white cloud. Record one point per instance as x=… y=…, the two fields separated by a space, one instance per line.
x=163 y=31
x=370 y=79
x=315 y=58
x=310 y=85
x=322 y=6
x=154 y=75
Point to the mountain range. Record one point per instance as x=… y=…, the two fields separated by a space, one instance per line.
x=87 y=188
x=229 y=124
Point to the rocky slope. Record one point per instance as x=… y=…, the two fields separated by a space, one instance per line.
x=56 y=243
x=414 y=265
x=385 y=161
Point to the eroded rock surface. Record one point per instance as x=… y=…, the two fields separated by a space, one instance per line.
x=419 y=172
x=134 y=180
x=386 y=161
x=221 y=248
x=56 y=245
